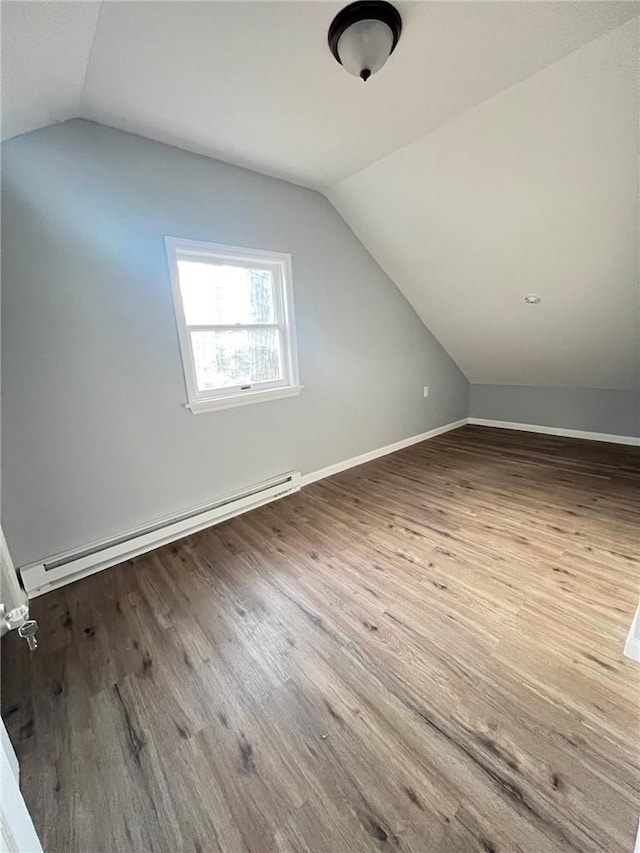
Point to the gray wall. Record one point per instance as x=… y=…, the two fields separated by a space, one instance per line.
x=591 y=409
x=95 y=436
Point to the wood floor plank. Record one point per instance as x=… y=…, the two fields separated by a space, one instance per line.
x=421 y=654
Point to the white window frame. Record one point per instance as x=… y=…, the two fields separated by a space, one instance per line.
x=279 y=264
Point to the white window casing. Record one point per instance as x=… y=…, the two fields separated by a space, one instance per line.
x=204 y=396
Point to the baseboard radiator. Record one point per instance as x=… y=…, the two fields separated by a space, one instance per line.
x=62 y=569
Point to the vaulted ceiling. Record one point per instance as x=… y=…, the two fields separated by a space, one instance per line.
x=494 y=155
x=534 y=191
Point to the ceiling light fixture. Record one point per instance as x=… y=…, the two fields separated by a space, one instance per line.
x=364 y=35
x=532 y=299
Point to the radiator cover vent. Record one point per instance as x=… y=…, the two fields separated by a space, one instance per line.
x=65 y=568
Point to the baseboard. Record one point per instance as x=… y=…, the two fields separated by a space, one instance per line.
x=38 y=580
x=632 y=643
x=41 y=581
x=62 y=569
x=567 y=433
x=330 y=470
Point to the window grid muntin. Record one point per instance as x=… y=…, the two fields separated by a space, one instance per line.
x=279 y=266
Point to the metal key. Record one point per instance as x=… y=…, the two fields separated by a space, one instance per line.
x=28 y=630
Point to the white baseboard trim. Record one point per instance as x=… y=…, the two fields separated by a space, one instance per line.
x=330 y=470
x=37 y=580
x=567 y=433
x=63 y=569
x=632 y=643
x=72 y=566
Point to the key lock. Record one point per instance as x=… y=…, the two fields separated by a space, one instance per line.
x=18 y=619
x=14 y=603
x=28 y=631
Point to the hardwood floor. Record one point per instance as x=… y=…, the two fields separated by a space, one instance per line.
x=421 y=654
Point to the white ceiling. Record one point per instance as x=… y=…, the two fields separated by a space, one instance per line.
x=535 y=190
x=409 y=158
x=254 y=82
x=45 y=51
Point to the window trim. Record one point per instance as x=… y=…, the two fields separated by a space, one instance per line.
x=279 y=263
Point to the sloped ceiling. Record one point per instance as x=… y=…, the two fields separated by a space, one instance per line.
x=533 y=191
x=492 y=156
x=45 y=52
x=256 y=83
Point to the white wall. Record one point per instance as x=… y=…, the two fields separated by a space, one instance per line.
x=95 y=436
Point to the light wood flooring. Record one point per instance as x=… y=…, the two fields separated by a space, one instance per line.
x=420 y=654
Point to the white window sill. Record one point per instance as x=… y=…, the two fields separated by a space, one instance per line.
x=198 y=407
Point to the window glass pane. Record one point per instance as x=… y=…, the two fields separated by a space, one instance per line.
x=236 y=357
x=214 y=293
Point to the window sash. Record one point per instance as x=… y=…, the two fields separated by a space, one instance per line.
x=244 y=387
x=232 y=327
x=279 y=266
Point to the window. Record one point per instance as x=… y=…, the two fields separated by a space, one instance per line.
x=234 y=309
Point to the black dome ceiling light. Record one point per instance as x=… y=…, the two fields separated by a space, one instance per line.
x=364 y=35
